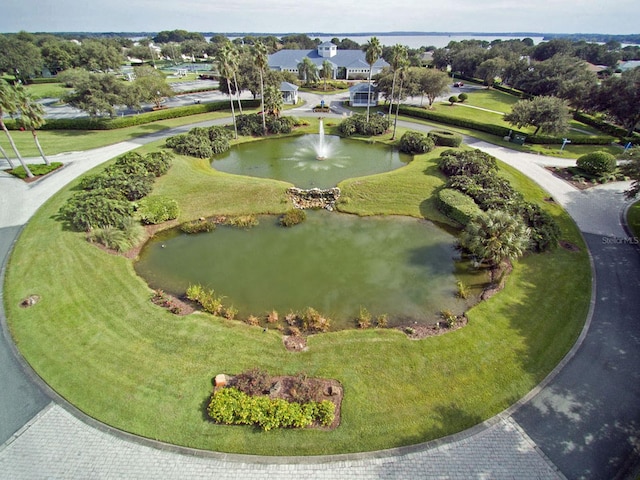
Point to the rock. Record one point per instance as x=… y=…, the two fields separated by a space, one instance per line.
x=275 y=388
x=220 y=380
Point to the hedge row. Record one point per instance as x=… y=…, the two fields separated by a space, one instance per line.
x=605 y=126
x=457 y=205
x=102 y=123
x=499 y=130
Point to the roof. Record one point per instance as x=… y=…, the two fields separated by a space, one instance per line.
x=361 y=88
x=289 y=59
x=630 y=65
x=288 y=87
x=327 y=44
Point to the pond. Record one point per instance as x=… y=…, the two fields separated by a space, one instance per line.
x=336 y=263
x=295 y=160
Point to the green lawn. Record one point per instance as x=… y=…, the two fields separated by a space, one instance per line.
x=59 y=141
x=96 y=338
x=46 y=90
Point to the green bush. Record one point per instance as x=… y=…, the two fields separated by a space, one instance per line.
x=474 y=173
x=132 y=186
x=198 y=226
x=158 y=163
x=192 y=145
x=597 y=163
x=96 y=209
x=357 y=124
x=444 y=138
x=457 y=205
x=462 y=97
x=119 y=239
x=230 y=406
x=157 y=209
x=453 y=99
x=415 y=143
x=293 y=217
x=466 y=162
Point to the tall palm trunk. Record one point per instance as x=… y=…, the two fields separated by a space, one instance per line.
x=393 y=87
x=369 y=94
x=395 y=121
x=264 y=120
x=4 y=154
x=235 y=81
x=233 y=112
x=15 y=149
x=35 y=139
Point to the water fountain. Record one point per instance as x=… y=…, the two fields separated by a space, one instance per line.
x=321 y=148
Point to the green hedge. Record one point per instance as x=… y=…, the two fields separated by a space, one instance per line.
x=499 y=130
x=37 y=81
x=606 y=127
x=230 y=406
x=444 y=138
x=457 y=205
x=92 y=123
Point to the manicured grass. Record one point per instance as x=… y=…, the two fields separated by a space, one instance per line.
x=633 y=219
x=46 y=90
x=97 y=339
x=59 y=141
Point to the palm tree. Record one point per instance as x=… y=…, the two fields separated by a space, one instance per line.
x=402 y=69
x=273 y=100
x=261 y=60
x=495 y=236
x=399 y=56
x=307 y=71
x=225 y=68
x=327 y=72
x=31 y=116
x=8 y=104
x=372 y=52
x=234 y=58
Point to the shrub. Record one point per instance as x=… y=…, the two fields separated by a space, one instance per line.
x=453 y=99
x=157 y=209
x=382 y=321
x=242 y=221
x=463 y=290
x=462 y=97
x=120 y=239
x=457 y=205
x=444 y=138
x=198 y=226
x=597 y=163
x=110 y=237
x=456 y=162
x=416 y=143
x=158 y=163
x=234 y=407
x=277 y=125
x=313 y=321
x=449 y=318
x=357 y=123
x=133 y=186
x=192 y=145
x=364 y=318
x=293 y=217
x=96 y=209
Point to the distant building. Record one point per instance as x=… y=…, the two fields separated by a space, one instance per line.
x=630 y=65
x=289 y=93
x=358 y=95
x=346 y=64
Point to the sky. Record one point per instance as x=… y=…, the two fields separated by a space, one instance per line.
x=326 y=16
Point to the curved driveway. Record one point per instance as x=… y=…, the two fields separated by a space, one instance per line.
x=582 y=422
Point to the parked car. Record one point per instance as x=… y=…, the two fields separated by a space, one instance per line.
x=458 y=84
